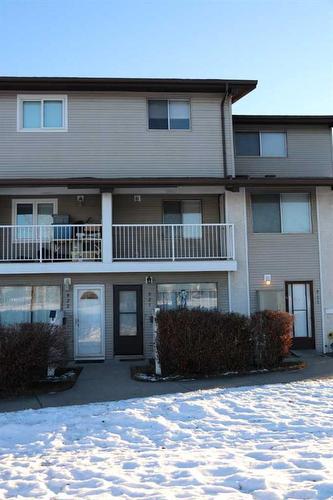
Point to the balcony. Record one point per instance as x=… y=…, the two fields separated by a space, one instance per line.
x=173 y=242
x=52 y=243
x=71 y=248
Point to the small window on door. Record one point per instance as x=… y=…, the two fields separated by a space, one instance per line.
x=185 y=212
x=127 y=313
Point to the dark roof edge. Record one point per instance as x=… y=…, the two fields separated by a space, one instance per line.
x=170 y=182
x=284 y=119
x=238 y=88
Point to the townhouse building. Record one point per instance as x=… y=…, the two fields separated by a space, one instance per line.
x=118 y=196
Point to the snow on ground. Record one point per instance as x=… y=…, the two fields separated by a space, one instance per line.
x=268 y=442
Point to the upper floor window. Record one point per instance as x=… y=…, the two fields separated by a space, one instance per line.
x=281 y=213
x=41 y=113
x=271 y=144
x=169 y=115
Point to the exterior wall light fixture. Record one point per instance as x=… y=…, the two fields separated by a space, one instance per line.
x=268 y=279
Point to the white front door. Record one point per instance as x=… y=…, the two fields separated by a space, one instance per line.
x=89 y=321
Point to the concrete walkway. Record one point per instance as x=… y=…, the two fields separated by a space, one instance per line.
x=111 y=381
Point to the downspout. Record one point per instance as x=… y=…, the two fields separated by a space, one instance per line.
x=224 y=152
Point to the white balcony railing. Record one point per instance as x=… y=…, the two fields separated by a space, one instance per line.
x=172 y=242
x=49 y=243
x=131 y=242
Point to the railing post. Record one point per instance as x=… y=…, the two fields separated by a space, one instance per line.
x=107 y=246
x=40 y=243
x=233 y=241
x=173 y=243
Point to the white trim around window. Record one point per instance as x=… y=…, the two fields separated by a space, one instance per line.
x=19 y=235
x=42 y=98
x=262 y=154
x=168 y=101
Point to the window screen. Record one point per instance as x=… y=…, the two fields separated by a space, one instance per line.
x=266 y=213
x=247 y=143
x=295 y=208
x=158 y=114
x=273 y=144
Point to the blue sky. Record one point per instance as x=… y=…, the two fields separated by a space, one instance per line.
x=285 y=44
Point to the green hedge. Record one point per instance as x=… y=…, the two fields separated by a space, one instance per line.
x=204 y=342
x=26 y=351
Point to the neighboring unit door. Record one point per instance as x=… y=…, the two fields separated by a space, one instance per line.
x=128 y=330
x=89 y=321
x=299 y=301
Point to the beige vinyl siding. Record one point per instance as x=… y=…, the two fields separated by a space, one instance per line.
x=150 y=209
x=108 y=136
x=125 y=210
x=108 y=280
x=287 y=257
x=309 y=153
x=67 y=205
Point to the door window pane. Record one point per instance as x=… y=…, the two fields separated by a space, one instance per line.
x=179 y=114
x=172 y=212
x=299 y=304
x=273 y=144
x=192 y=215
x=127 y=324
x=24 y=217
x=158 y=114
x=187 y=295
x=31 y=114
x=296 y=213
x=45 y=213
x=24 y=214
x=266 y=213
x=89 y=315
x=300 y=324
x=247 y=143
x=53 y=114
x=127 y=301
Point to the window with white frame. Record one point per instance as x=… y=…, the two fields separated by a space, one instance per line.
x=27 y=214
x=41 y=113
x=187 y=295
x=281 y=213
x=268 y=144
x=28 y=304
x=168 y=114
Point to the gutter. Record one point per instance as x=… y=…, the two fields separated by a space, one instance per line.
x=233 y=182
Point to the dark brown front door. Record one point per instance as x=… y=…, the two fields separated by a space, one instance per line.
x=299 y=302
x=128 y=330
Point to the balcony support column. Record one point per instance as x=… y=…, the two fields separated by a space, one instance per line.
x=238 y=282
x=107 y=228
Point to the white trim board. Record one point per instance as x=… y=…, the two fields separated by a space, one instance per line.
x=117 y=267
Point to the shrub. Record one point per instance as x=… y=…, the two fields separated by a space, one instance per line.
x=202 y=342
x=272 y=336
x=26 y=351
x=198 y=342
